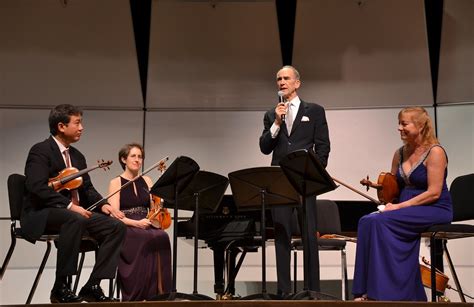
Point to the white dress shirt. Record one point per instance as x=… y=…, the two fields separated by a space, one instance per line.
x=294 y=104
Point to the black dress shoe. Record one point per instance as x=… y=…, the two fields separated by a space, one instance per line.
x=63 y=294
x=94 y=294
x=284 y=295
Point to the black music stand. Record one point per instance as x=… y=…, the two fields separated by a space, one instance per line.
x=173 y=181
x=309 y=178
x=256 y=188
x=206 y=188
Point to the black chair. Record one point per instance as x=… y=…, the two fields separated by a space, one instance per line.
x=328 y=223
x=462 y=193
x=16 y=193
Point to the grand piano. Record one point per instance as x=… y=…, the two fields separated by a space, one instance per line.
x=231 y=233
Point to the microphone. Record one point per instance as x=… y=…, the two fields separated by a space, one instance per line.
x=281 y=99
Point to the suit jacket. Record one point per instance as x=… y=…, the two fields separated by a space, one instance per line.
x=309 y=131
x=46 y=161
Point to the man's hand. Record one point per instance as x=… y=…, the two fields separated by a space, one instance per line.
x=81 y=211
x=109 y=210
x=280 y=110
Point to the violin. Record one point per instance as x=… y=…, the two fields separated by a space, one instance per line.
x=441 y=279
x=336 y=237
x=386 y=186
x=70 y=177
x=158 y=215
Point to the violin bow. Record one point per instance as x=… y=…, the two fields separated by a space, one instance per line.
x=380 y=205
x=357 y=191
x=128 y=183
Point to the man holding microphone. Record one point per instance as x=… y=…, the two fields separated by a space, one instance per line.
x=292 y=125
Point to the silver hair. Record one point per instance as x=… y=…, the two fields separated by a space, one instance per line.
x=297 y=74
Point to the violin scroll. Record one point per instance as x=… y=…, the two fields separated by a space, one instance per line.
x=162 y=166
x=366 y=182
x=104 y=164
x=386 y=186
x=369 y=184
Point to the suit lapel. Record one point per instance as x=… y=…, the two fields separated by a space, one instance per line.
x=73 y=156
x=299 y=116
x=285 y=129
x=56 y=153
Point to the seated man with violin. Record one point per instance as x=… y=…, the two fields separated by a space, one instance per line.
x=144 y=268
x=61 y=209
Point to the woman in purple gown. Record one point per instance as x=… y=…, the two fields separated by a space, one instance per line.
x=144 y=268
x=388 y=243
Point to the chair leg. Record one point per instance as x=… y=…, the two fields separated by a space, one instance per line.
x=345 y=285
x=433 y=267
x=111 y=288
x=79 y=271
x=117 y=287
x=453 y=272
x=9 y=253
x=40 y=271
x=295 y=271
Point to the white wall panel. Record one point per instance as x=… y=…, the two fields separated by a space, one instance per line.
x=359 y=54
x=456 y=134
x=362 y=143
x=218 y=55
x=19 y=130
x=219 y=142
x=80 y=53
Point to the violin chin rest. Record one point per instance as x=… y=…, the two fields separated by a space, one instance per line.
x=381 y=208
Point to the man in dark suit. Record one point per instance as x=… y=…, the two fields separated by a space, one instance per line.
x=48 y=211
x=293 y=125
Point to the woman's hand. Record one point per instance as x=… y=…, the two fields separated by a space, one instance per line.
x=143 y=224
x=391 y=207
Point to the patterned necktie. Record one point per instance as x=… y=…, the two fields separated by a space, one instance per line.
x=74 y=194
x=289 y=119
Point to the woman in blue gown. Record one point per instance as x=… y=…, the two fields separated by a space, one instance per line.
x=144 y=268
x=388 y=243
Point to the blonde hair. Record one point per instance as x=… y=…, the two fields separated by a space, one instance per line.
x=423 y=121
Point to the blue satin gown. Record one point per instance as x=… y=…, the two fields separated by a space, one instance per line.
x=388 y=243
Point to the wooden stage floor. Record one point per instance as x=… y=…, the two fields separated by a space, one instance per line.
x=271 y=303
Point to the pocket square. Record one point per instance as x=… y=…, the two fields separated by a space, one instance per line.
x=305 y=119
